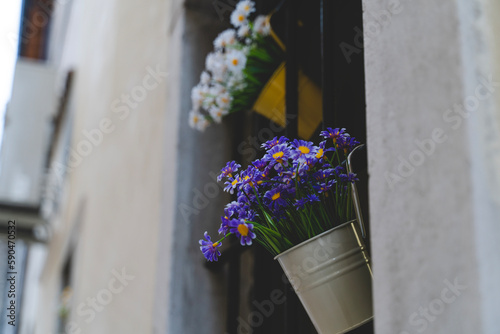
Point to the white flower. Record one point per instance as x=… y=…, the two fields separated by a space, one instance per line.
x=246 y=6
x=214 y=61
x=244 y=31
x=208 y=101
x=217 y=90
x=223 y=100
x=197 y=96
x=236 y=61
x=238 y=18
x=225 y=38
x=202 y=124
x=261 y=25
x=217 y=113
x=197 y=120
x=204 y=78
x=194 y=118
x=236 y=82
x=220 y=75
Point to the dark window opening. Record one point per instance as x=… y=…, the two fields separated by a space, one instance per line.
x=314 y=33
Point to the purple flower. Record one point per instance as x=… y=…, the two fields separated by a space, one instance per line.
x=278 y=154
x=305 y=166
x=231 y=184
x=347 y=144
x=324 y=174
x=291 y=175
x=308 y=199
x=248 y=215
x=242 y=230
x=275 y=197
x=303 y=149
x=324 y=187
x=225 y=221
x=339 y=170
x=209 y=248
x=229 y=170
x=243 y=199
x=273 y=142
x=248 y=179
x=259 y=164
x=232 y=207
x=350 y=177
x=263 y=175
x=228 y=211
x=322 y=150
x=334 y=134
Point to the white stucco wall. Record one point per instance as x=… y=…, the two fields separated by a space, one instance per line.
x=433 y=213
x=118 y=50
x=433 y=163
x=480 y=31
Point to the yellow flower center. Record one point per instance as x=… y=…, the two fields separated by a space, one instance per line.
x=278 y=155
x=243 y=229
x=234 y=182
x=225 y=99
x=195 y=119
x=276 y=196
x=304 y=149
x=250 y=183
x=241 y=18
x=215 y=244
x=319 y=154
x=235 y=61
x=247 y=8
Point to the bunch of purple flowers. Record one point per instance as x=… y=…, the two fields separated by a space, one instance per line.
x=294 y=192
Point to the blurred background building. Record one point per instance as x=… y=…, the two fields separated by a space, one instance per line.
x=111 y=190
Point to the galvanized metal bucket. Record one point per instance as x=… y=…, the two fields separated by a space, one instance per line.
x=332 y=277
x=331 y=273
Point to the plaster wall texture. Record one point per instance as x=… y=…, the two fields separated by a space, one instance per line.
x=430 y=178
x=117 y=48
x=165 y=250
x=480 y=32
x=197 y=295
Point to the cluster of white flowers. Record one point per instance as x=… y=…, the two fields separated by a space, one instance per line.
x=211 y=98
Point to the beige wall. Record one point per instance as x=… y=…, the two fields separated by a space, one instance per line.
x=433 y=156
x=120 y=201
x=116 y=190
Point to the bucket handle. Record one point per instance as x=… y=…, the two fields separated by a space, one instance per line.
x=355 y=197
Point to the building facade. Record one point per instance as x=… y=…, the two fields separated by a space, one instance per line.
x=136 y=186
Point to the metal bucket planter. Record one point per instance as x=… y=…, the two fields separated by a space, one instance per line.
x=331 y=273
x=332 y=277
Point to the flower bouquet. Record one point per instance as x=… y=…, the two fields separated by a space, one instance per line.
x=294 y=192
x=296 y=202
x=243 y=60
